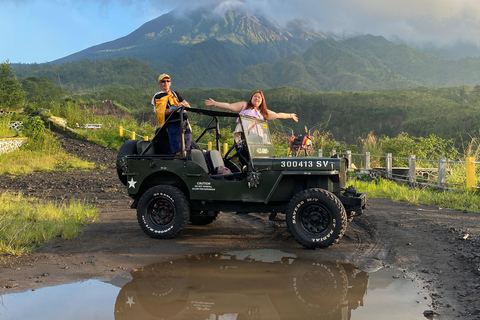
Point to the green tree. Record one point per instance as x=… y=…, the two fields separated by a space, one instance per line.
x=12 y=96
x=41 y=89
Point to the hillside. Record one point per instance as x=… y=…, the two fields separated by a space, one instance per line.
x=449 y=113
x=362 y=63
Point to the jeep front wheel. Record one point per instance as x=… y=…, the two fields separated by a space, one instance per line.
x=316 y=218
x=163 y=211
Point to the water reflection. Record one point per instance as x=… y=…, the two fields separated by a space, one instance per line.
x=236 y=286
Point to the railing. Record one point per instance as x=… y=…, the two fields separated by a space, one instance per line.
x=441 y=173
x=133 y=135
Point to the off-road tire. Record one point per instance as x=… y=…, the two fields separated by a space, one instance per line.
x=202 y=218
x=316 y=218
x=129 y=147
x=163 y=212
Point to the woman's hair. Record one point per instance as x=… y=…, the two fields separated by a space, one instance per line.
x=263 y=106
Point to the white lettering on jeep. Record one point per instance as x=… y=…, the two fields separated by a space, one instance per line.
x=304 y=164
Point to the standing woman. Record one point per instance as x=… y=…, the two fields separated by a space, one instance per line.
x=255 y=107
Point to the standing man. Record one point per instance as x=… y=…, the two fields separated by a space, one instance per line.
x=164 y=104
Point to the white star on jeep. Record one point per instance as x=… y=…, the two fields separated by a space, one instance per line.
x=131 y=183
x=130 y=301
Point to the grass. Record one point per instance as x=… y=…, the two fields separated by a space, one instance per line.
x=28 y=161
x=27 y=222
x=456 y=200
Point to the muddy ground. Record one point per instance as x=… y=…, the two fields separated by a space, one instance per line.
x=437 y=247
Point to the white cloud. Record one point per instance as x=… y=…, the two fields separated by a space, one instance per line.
x=440 y=21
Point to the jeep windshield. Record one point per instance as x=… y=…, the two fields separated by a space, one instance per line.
x=257 y=137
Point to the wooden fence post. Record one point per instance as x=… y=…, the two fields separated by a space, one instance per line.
x=441 y=173
x=412 y=171
x=388 y=165
x=320 y=153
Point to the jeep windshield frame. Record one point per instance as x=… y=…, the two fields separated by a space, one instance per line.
x=257 y=137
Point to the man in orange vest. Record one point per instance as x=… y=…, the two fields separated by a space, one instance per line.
x=164 y=104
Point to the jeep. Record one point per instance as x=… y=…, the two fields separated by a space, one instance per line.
x=170 y=191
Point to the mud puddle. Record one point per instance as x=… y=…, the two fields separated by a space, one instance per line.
x=254 y=284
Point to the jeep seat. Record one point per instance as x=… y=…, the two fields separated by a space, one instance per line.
x=198 y=157
x=142 y=145
x=214 y=160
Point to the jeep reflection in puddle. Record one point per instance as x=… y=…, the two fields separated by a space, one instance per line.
x=233 y=287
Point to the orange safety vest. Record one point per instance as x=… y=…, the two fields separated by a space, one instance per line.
x=161 y=105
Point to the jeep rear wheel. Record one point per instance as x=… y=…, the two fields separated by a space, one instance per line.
x=316 y=218
x=163 y=212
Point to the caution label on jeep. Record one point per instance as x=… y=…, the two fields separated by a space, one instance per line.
x=203 y=186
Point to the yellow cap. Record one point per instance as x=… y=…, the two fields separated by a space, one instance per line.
x=163 y=76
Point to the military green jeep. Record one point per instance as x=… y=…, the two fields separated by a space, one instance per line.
x=171 y=191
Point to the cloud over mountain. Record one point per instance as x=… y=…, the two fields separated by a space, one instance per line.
x=415 y=21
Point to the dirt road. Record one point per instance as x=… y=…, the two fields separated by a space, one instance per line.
x=437 y=247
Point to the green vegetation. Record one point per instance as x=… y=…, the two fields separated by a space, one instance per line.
x=27 y=222
x=456 y=200
x=41 y=152
x=256 y=59
x=11 y=94
x=29 y=161
x=92 y=75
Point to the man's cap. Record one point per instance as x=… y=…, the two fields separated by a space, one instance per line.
x=163 y=76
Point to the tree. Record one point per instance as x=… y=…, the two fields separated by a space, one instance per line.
x=11 y=94
x=41 y=90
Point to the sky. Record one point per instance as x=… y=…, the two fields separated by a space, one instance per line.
x=38 y=31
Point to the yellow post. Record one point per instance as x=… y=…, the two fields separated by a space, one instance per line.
x=120 y=129
x=209 y=145
x=470 y=168
x=133 y=135
x=145 y=138
x=288 y=152
x=225 y=148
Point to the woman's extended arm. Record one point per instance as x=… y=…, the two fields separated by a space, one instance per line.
x=272 y=115
x=235 y=107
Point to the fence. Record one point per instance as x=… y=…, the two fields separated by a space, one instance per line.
x=441 y=173
x=133 y=135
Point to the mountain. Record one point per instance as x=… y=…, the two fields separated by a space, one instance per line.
x=361 y=63
x=204 y=46
x=243 y=51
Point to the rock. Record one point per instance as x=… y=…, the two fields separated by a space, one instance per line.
x=430 y=314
